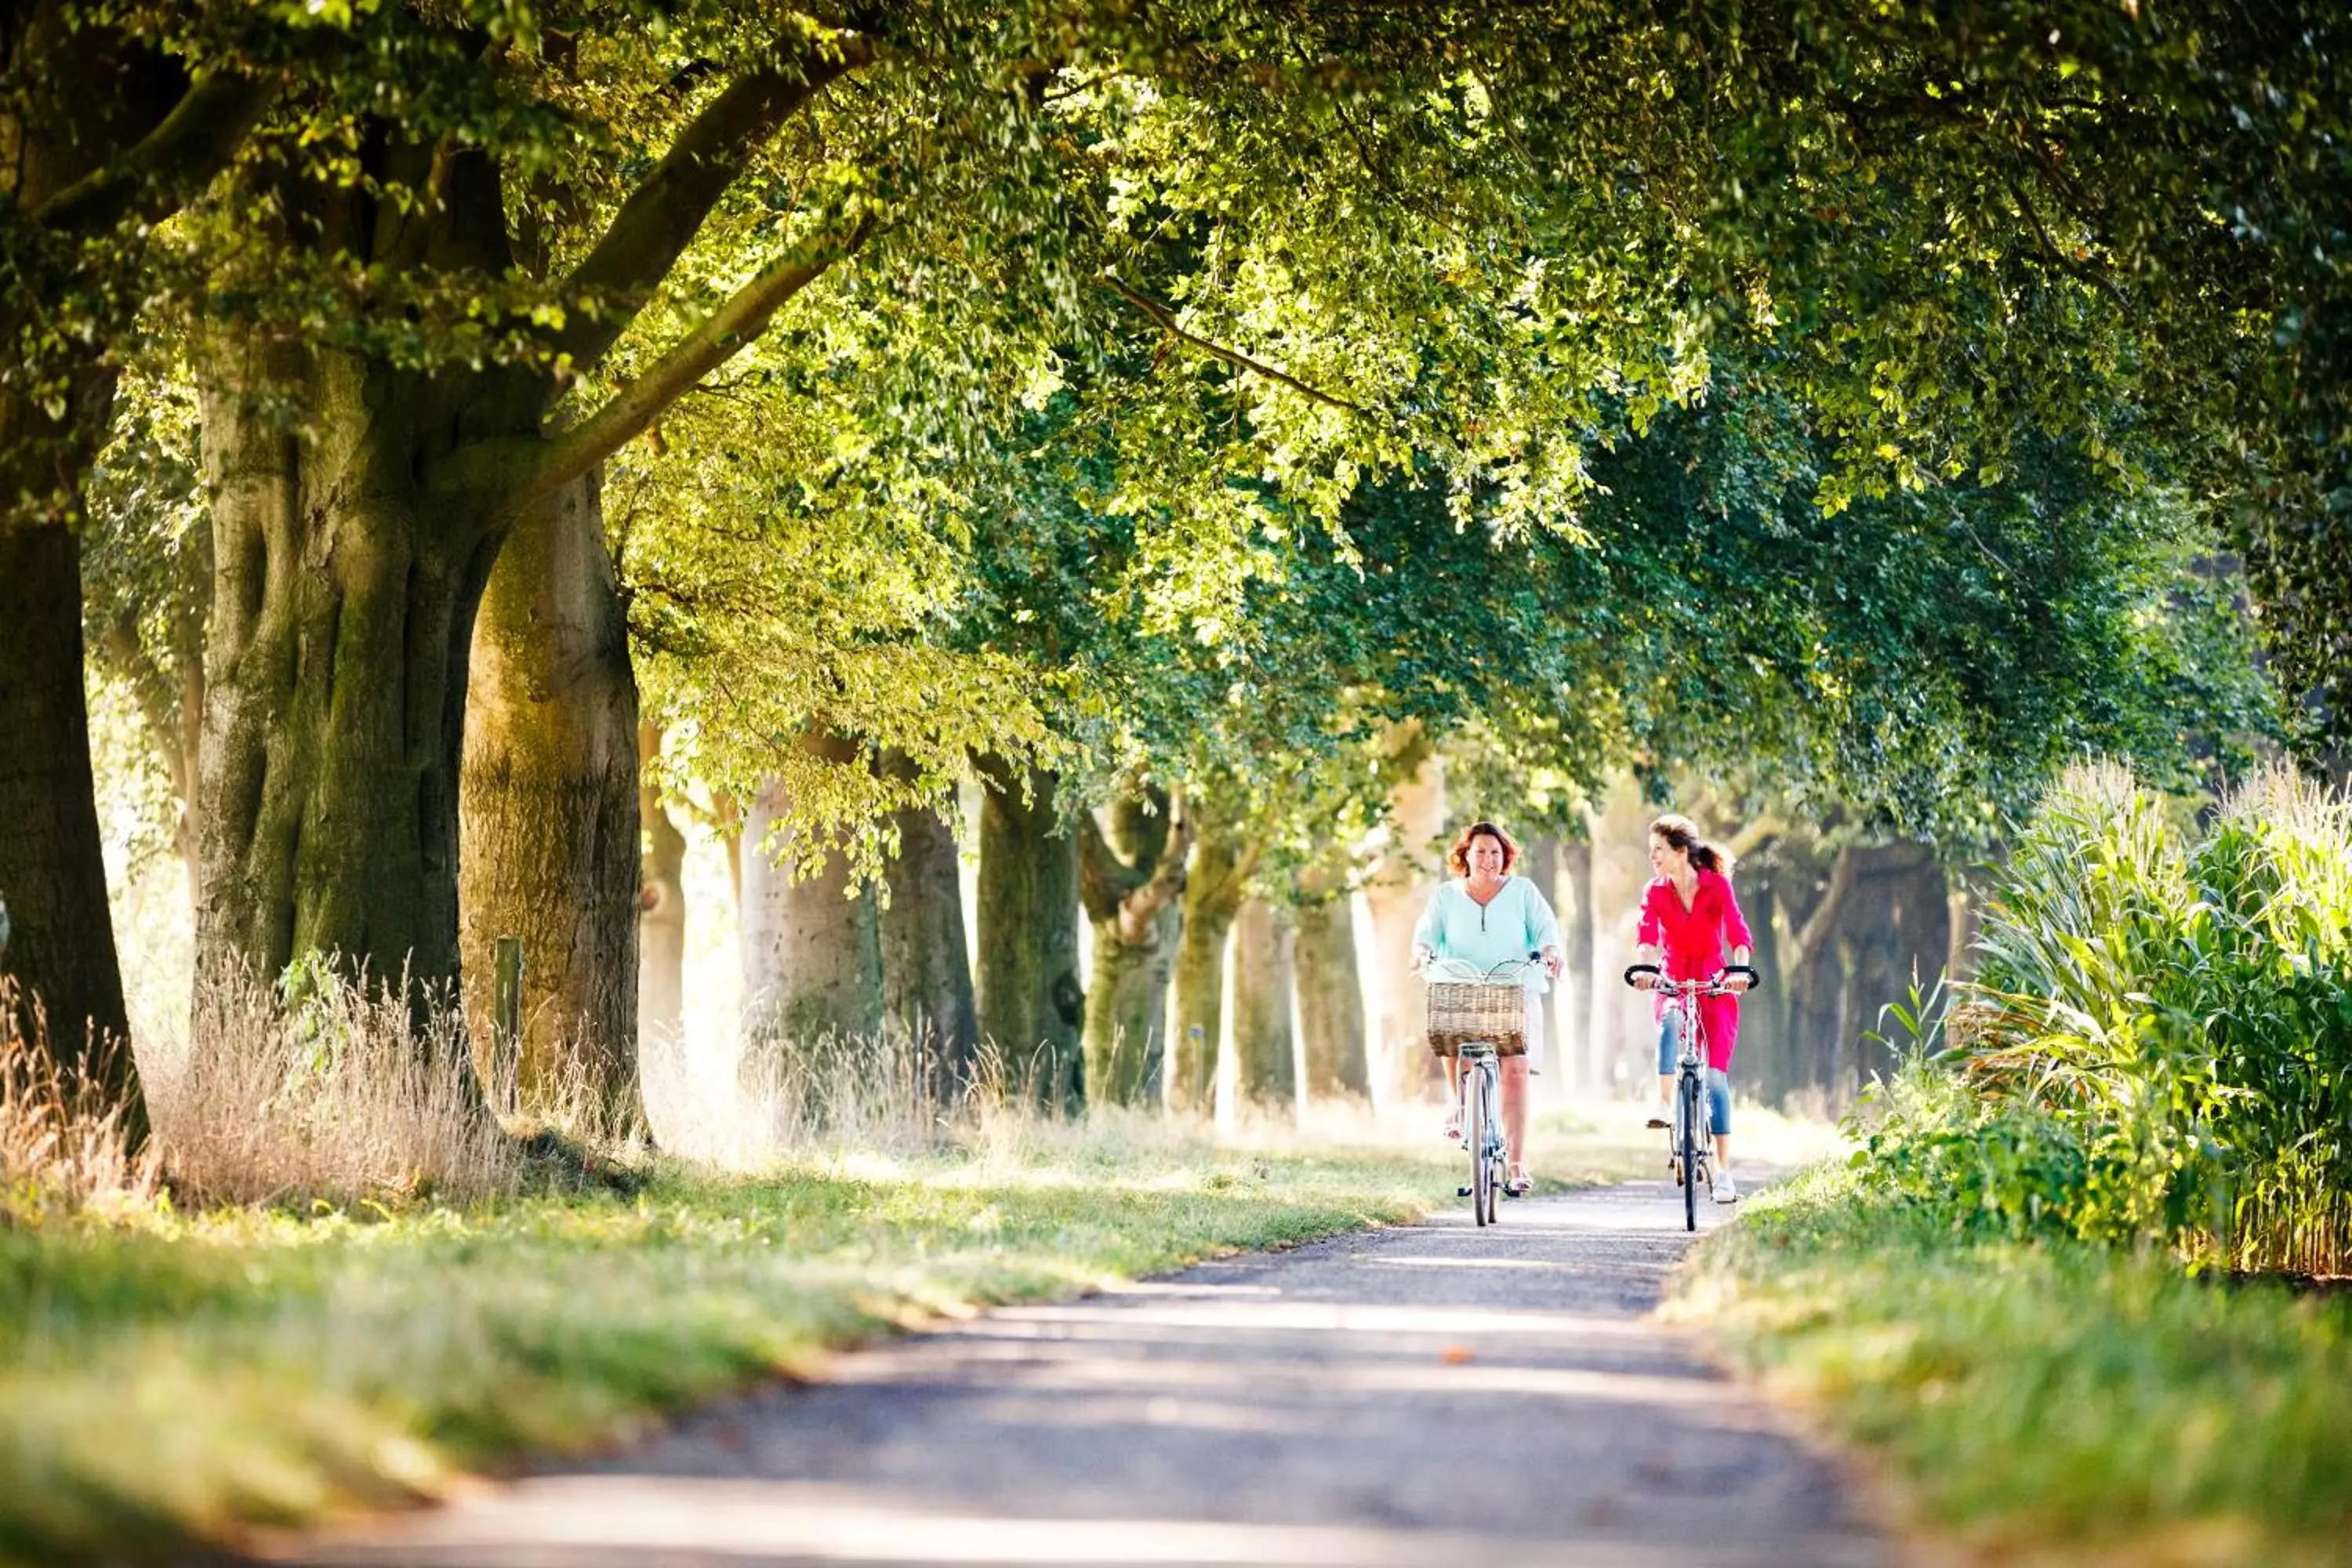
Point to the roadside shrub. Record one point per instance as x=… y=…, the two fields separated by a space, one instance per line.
x=2158 y=1046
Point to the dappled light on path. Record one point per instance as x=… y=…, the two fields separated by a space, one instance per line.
x=1420 y=1394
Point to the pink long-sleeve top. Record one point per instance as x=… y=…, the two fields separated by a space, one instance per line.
x=1697 y=939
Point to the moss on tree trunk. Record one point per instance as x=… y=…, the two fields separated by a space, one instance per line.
x=549 y=809
x=335 y=676
x=1131 y=880
x=1216 y=879
x=1026 y=992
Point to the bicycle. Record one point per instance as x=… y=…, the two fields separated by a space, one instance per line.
x=1480 y=1016
x=1686 y=1145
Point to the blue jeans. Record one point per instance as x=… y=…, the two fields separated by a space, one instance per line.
x=1718 y=1082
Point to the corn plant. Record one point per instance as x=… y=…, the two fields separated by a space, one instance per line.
x=2176 y=1008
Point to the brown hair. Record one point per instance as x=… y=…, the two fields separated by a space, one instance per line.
x=1457 y=859
x=1682 y=834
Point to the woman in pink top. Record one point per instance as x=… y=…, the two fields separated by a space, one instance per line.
x=1691 y=921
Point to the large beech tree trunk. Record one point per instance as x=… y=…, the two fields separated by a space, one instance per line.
x=335 y=675
x=85 y=95
x=1395 y=895
x=52 y=874
x=1264 y=1046
x=1331 y=992
x=1026 y=991
x=661 y=922
x=811 y=946
x=1131 y=881
x=925 y=974
x=549 y=848
x=1222 y=859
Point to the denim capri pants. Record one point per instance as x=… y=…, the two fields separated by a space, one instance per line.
x=1719 y=1081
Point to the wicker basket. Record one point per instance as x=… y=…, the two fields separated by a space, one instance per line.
x=1461 y=1011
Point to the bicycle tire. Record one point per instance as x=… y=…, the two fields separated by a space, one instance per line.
x=1690 y=1118
x=1489 y=1084
x=1482 y=1173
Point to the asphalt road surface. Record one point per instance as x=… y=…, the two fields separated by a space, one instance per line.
x=1428 y=1394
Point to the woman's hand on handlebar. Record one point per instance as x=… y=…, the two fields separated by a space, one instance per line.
x=1642 y=976
x=1422 y=954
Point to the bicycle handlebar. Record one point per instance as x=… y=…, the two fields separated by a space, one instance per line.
x=1711 y=987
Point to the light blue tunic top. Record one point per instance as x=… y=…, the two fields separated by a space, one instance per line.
x=1514 y=924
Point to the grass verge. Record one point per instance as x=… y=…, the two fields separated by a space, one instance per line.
x=165 y=1379
x=2047 y=1401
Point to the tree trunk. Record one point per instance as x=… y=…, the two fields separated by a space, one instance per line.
x=549 y=812
x=1130 y=882
x=1331 y=992
x=1222 y=859
x=661 y=924
x=1577 y=1057
x=1263 y=939
x=1030 y=1005
x=52 y=870
x=1540 y=864
x=812 y=947
x=335 y=680
x=1396 y=896
x=926 y=975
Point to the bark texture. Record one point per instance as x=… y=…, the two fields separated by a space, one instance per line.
x=1131 y=883
x=1026 y=991
x=1224 y=856
x=335 y=675
x=1330 y=992
x=926 y=973
x=61 y=947
x=812 y=945
x=1264 y=1046
x=661 y=903
x=549 y=848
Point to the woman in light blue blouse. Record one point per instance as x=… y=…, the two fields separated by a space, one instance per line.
x=1487 y=916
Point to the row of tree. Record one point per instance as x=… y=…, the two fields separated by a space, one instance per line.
x=1190 y=414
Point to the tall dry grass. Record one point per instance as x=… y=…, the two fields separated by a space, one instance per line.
x=66 y=1143
x=338 y=1095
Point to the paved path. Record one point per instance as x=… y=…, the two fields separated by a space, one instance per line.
x=1302 y=1409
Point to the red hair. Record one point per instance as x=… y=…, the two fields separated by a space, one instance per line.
x=1457 y=859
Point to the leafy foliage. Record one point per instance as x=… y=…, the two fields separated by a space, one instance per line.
x=2158 y=1046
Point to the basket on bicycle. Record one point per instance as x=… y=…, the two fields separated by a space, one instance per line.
x=1463 y=1011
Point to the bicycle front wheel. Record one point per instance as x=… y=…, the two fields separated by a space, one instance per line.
x=1478 y=1125
x=1689 y=1119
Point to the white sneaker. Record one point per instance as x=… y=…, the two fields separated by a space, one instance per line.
x=1660 y=1116
x=1727 y=1191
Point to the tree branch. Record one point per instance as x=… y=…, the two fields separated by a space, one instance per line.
x=1825 y=913
x=1165 y=320
x=161 y=173
x=662 y=215
x=721 y=336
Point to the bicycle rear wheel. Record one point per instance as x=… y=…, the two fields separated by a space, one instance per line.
x=1689 y=1118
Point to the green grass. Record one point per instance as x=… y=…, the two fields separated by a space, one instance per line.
x=2044 y=1400
x=166 y=1379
